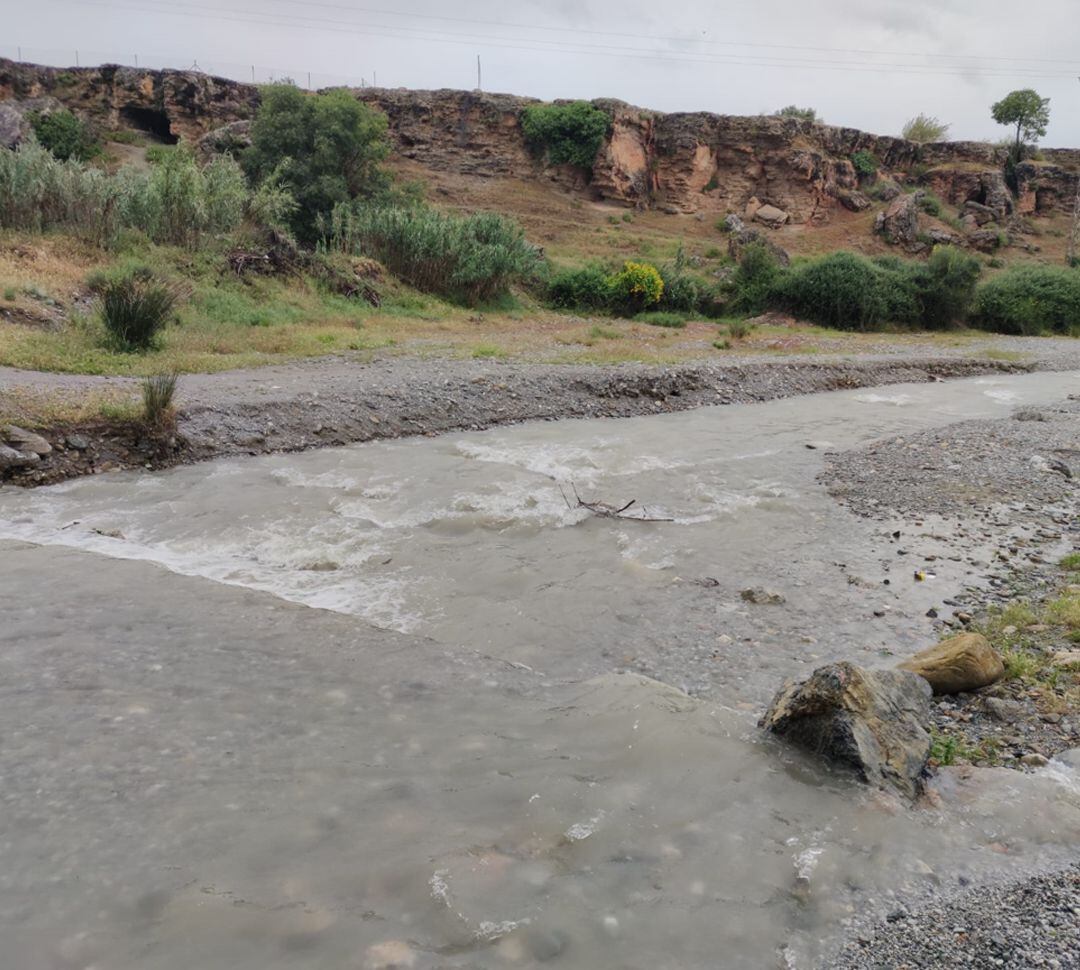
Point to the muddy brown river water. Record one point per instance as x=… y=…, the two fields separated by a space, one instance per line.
x=455 y=760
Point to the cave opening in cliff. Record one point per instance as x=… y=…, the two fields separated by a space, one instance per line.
x=151 y=121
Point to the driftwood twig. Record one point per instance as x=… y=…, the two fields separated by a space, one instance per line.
x=605 y=511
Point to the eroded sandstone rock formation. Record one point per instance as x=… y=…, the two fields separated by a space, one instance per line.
x=683 y=162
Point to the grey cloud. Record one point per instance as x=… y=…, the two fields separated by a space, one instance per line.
x=877 y=92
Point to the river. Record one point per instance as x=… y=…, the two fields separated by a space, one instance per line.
x=456 y=759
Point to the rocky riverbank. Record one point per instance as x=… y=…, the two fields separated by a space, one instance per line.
x=1031 y=923
x=337 y=401
x=1003 y=497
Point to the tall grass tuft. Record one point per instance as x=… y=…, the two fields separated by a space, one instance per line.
x=158 y=391
x=134 y=309
x=177 y=201
x=474 y=259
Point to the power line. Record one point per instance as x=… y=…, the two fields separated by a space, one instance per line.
x=744 y=60
x=676 y=39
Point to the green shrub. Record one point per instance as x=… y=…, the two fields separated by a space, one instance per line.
x=125 y=137
x=945 y=286
x=793 y=111
x=925 y=129
x=930 y=204
x=637 y=287
x=739 y=329
x=324 y=149
x=582 y=288
x=865 y=164
x=848 y=292
x=473 y=259
x=570 y=134
x=755 y=279
x=682 y=292
x=64 y=135
x=1030 y=300
x=135 y=309
x=662 y=318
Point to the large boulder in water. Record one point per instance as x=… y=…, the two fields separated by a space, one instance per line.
x=964 y=662
x=872 y=721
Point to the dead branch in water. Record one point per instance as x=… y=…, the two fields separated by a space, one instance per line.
x=606 y=511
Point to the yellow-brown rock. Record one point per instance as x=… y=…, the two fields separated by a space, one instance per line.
x=960 y=663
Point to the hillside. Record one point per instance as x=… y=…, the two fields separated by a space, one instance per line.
x=679 y=172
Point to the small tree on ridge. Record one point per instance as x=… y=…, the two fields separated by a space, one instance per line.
x=1026 y=110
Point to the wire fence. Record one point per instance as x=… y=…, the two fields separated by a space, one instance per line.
x=251 y=73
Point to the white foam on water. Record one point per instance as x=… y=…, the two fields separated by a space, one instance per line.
x=274 y=564
x=557 y=461
x=897 y=400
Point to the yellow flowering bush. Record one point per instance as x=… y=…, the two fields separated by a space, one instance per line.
x=638 y=286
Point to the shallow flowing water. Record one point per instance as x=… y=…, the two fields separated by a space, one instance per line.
x=197 y=774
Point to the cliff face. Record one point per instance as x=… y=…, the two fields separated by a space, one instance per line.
x=169 y=104
x=688 y=162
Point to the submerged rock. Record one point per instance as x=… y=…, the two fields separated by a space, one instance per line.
x=874 y=722
x=762 y=597
x=961 y=663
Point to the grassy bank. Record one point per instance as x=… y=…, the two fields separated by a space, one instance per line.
x=49 y=319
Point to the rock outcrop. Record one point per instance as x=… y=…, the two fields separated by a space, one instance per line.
x=961 y=663
x=1049 y=185
x=873 y=722
x=167 y=104
x=899 y=223
x=693 y=163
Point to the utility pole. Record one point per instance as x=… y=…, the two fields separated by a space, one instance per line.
x=1071 y=257
x=479 y=86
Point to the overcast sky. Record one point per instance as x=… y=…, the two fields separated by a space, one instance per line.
x=870 y=64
